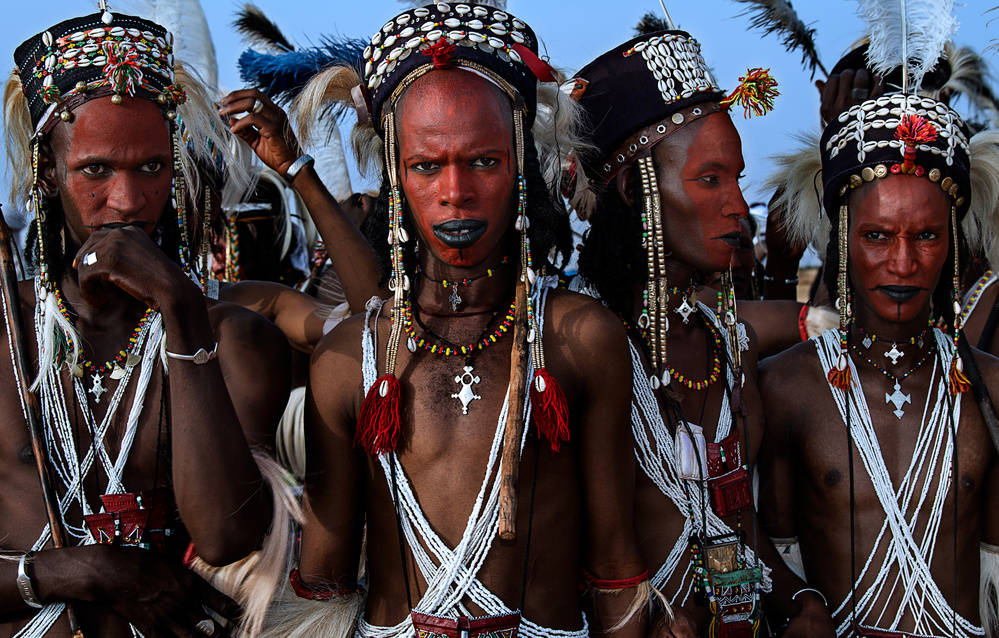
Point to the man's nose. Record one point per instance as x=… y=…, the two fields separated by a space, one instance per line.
x=456 y=188
x=126 y=195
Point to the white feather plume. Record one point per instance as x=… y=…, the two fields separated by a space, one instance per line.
x=186 y=20
x=907 y=33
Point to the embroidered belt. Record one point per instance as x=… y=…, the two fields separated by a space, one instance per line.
x=428 y=626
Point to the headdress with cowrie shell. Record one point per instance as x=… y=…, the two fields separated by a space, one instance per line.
x=633 y=97
x=503 y=50
x=84 y=58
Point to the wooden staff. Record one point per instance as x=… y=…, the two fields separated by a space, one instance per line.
x=15 y=334
x=514 y=419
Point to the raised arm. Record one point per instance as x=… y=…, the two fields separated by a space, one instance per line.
x=269 y=135
x=300 y=317
x=217 y=486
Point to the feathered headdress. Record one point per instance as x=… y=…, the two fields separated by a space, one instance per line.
x=192 y=37
x=778 y=16
x=260 y=31
x=907 y=33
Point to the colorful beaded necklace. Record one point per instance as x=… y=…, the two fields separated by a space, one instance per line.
x=116 y=367
x=715 y=350
x=467 y=377
x=455 y=298
x=971 y=300
x=897 y=398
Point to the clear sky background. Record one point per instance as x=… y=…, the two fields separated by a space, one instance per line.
x=573 y=33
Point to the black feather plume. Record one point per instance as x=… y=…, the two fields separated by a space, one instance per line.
x=258 y=30
x=650 y=23
x=778 y=16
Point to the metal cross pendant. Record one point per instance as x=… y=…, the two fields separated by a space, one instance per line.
x=867 y=342
x=455 y=299
x=685 y=310
x=894 y=354
x=898 y=399
x=98 y=389
x=466 y=395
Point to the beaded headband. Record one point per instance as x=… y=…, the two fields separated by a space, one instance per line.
x=475 y=37
x=896 y=134
x=95 y=56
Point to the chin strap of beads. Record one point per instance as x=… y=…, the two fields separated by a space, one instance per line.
x=380 y=423
x=839 y=375
x=958 y=380
x=654 y=316
x=35 y=202
x=205 y=231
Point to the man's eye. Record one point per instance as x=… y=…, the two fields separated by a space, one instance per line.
x=928 y=236
x=94 y=169
x=425 y=167
x=710 y=179
x=152 y=167
x=874 y=235
x=486 y=162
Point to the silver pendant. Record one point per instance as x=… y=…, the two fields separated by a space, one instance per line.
x=98 y=388
x=685 y=310
x=867 y=342
x=894 y=354
x=466 y=395
x=898 y=399
x=455 y=299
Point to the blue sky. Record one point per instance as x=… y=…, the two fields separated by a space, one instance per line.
x=573 y=34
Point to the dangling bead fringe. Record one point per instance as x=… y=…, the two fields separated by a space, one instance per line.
x=549 y=409
x=380 y=424
x=958 y=380
x=839 y=375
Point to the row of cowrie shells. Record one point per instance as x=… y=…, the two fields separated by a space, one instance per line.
x=377 y=46
x=116 y=32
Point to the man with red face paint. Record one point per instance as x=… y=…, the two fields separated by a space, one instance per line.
x=877 y=469
x=407 y=405
x=661 y=192
x=146 y=465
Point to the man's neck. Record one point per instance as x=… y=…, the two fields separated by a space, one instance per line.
x=679 y=278
x=477 y=289
x=118 y=307
x=893 y=346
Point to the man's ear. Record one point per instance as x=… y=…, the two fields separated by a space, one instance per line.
x=624 y=181
x=47 y=172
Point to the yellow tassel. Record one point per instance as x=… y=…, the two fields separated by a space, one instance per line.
x=958 y=380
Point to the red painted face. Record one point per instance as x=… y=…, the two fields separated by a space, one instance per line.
x=457 y=166
x=899 y=239
x=112 y=165
x=699 y=189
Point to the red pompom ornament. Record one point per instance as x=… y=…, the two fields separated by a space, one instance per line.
x=549 y=408
x=380 y=424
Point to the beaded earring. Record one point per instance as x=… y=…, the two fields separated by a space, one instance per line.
x=380 y=422
x=205 y=229
x=655 y=311
x=839 y=375
x=179 y=196
x=958 y=380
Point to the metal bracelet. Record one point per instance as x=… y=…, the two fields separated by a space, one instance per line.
x=815 y=591
x=24 y=585
x=297 y=166
x=201 y=357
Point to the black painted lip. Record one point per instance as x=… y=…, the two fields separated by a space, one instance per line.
x=732 y=239
x=900 y=293
x=460 y=233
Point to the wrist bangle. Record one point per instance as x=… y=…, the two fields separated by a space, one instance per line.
x=201 y=357
x=24 y=584
x=297 y=166
x=814 y=591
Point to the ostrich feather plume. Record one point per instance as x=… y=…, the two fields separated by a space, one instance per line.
x=260 y=31
x=907 y=33
x=778 y=16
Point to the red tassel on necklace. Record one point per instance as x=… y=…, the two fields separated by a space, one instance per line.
x=549 y=408
x=839 y=374
x=380 y=424
x=958 y=380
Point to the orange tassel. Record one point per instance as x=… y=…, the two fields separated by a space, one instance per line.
x=958 y=380
x=549 y=408
x=839 y=375
x=380 y=424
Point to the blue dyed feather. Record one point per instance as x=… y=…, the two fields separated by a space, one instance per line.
x=282 y=76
